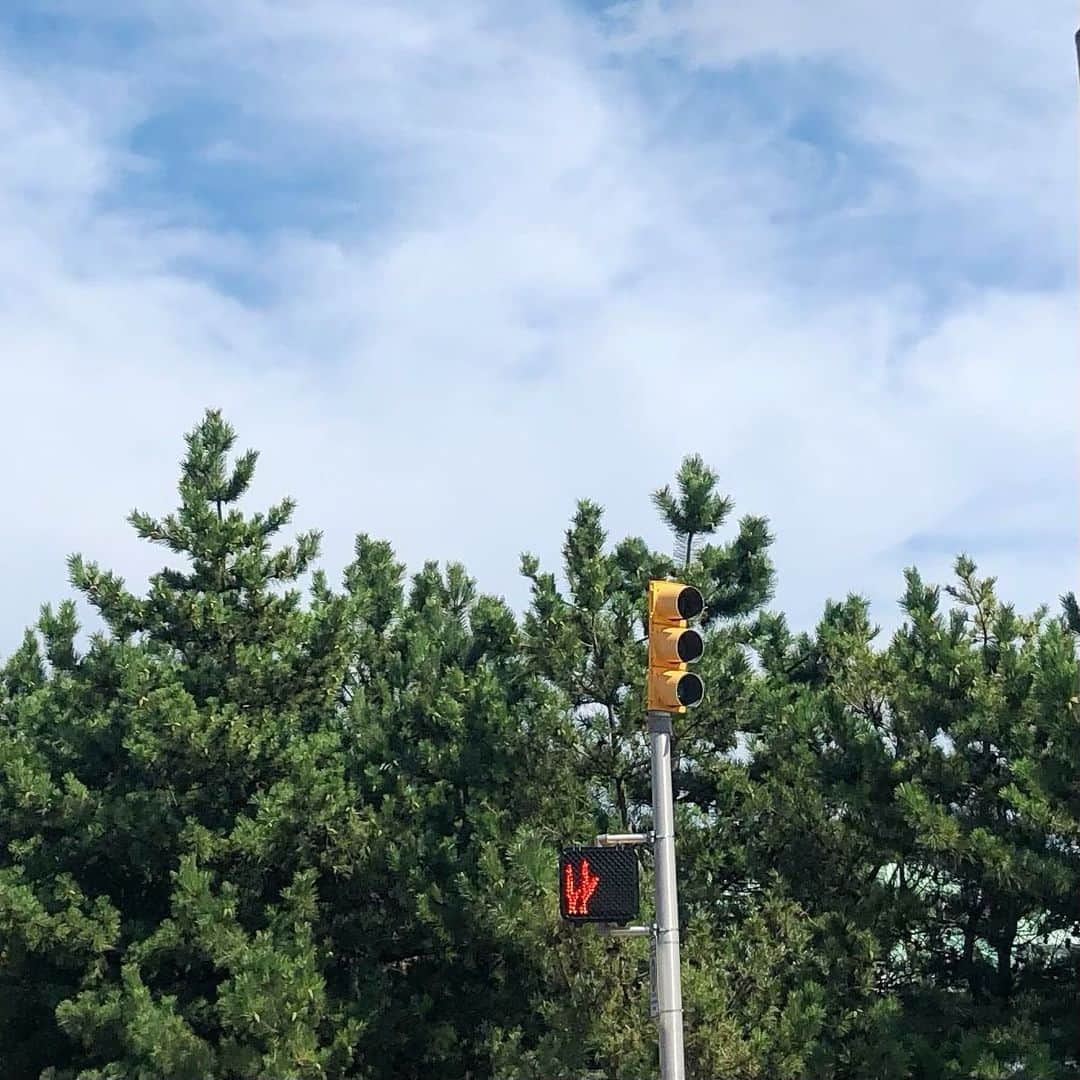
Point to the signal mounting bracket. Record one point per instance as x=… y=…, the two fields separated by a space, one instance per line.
x=608 y=930
x=620 y=839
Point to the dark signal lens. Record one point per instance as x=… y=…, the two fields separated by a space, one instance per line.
x=690 y=646
x=690 y=689
x=690 y=603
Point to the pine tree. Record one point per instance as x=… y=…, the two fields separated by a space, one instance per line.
x=986 y=700
x=178 y=793
x=917 y=806
x=246 y=835
x=456 y=747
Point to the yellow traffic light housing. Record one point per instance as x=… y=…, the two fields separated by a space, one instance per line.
x=669 y=685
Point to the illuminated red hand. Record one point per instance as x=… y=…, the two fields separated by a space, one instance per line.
x=578 y=895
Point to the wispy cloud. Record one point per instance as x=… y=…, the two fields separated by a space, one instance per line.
x=445 y=265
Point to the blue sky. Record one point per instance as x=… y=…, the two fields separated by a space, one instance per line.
x=444 y=264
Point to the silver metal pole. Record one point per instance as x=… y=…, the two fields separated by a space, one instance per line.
x=668 y=978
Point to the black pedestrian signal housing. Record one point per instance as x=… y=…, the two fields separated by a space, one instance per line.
x=599 y=884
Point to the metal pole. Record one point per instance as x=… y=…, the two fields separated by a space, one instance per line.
x=668 y=978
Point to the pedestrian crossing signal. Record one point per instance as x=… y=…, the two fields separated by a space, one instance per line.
x=599 y=884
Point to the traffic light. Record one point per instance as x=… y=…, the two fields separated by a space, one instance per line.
x=669 y=685
x=598 y=884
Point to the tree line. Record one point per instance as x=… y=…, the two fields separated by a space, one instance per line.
x=253 y=830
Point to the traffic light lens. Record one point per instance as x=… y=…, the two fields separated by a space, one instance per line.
x=690 y=603
x=690 y=646
x=690 y=689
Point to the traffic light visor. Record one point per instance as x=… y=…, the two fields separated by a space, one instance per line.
x=673 y=691
x=674 y=601
x=674 y=645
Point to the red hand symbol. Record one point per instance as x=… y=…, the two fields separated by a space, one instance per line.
x=578 y=895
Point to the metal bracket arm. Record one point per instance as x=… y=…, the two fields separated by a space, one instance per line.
x=606 y=930
x=619 y=838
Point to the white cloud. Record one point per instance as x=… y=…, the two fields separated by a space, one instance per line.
x=976 y=97
x=547 y=270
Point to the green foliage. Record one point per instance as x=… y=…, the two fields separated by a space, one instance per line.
x=919 y=799
x=248 y=832
x=245 y=836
